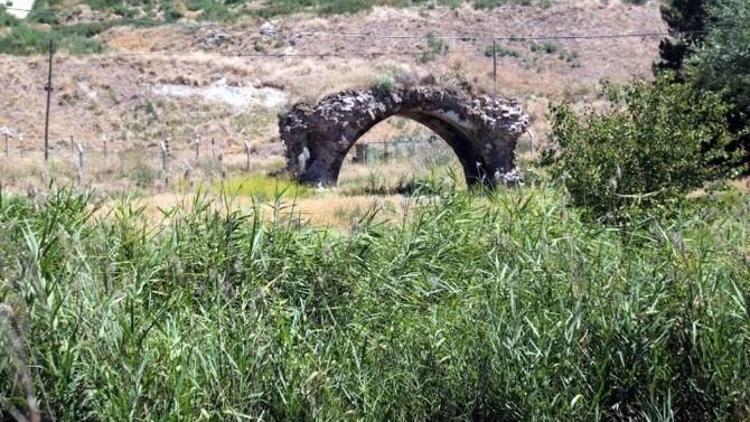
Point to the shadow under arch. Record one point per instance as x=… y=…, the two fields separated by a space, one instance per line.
x=482 y=131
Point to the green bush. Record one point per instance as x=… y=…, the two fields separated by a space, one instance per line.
x=384 y=82
x=75 y=39
x=500 y=51
x=547 y=47
x=654 y=144
x=210 y=9
x=435 y=47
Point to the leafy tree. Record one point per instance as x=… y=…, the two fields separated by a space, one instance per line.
x=722 y=62
x=653 y=145
x=686 y=20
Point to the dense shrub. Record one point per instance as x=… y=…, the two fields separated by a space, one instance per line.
x=655 y=143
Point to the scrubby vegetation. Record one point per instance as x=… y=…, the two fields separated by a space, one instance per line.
x=656 y=143
x=507 y=307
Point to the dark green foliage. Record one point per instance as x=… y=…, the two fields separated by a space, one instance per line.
x=6 y=19
x=506 y=307
x=654 y=145
x=24 y=40
x=722 y=64
x=681 y=16
x=42 y=14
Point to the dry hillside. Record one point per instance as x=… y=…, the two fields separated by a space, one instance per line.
x=179 y=81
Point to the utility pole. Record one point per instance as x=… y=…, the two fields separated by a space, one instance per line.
x=494 y=67
x=48 y=88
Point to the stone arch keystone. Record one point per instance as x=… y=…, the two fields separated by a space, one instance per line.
x=481 y=130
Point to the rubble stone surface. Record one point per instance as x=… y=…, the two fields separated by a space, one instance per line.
x=481 y=130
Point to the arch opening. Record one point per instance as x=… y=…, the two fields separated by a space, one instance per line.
x=397 y=155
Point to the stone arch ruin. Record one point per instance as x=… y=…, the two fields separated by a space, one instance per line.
x=482 y=130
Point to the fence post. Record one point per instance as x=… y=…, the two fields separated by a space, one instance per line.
x=247 y=156
x=186 y=174
x=494 y=67
x=7 y=149
x=79 y=163
x=20 y=143
x=221 y=166
x=164 y=155
x=213 y=147
x=48 y=88
x=105 y=150
x=359 y=153
x=385 y=151
x=197 y=148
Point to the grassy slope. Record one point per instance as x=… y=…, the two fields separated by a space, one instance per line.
x=25 y=37
x=510 y=308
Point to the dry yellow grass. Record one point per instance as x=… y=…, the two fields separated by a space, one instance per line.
x=326 y=209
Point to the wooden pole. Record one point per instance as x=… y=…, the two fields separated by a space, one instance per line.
x=105 y=150
x=163 y=156
x=221 y=165
x=359 y=153
x=494 y=67
x=247 y=156
x=79 y=163
x=7 y=149
x=48 y=88
x=198 y=148
x=213 y=147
